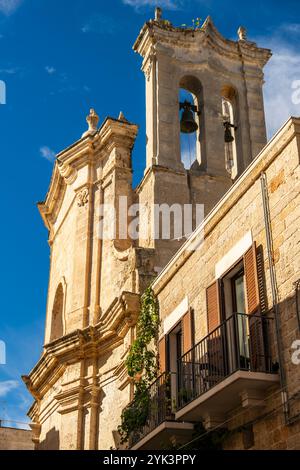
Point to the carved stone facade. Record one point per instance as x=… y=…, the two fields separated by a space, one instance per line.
x=80 y=385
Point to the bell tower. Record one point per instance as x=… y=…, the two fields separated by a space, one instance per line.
x=224 y=80
x=219 y=73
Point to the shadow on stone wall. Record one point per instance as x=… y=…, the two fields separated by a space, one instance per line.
x=51 y=442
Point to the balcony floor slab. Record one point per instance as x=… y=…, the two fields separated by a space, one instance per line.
x=166 y=433
x=225 y=396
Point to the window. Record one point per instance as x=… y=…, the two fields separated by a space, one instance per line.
x=235 y=300
x=238 y=292
x=233 y=292
x=175 y=354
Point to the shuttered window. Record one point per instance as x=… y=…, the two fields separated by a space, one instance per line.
x=162 y=351
x=213 y=306
x=187 y=331
x=251 y=279
x=178 y=342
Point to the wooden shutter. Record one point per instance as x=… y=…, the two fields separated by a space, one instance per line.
x=251 y=278
x=256 y=323
x=213 y=306
x=162 y=351
x=187 y=330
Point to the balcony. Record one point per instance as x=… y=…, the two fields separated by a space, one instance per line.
x=232 y=366
x=160 y=429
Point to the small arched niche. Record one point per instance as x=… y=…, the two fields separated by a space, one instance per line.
x=57 y=324
x=192 y=145
x=230 y=114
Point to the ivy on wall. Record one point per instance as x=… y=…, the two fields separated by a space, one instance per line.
x=142 y=366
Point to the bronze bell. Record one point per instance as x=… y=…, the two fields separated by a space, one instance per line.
x=228 y=134
x=188 y=124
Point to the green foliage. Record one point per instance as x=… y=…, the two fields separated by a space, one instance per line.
x=142 y=366
x=196 y=24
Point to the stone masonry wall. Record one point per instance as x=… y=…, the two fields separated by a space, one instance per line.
x=197 y=273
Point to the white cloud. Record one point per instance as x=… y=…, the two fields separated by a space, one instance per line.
x=168 y=4
x=49 y=69
x=10 y=70
x=7 y=7
x=47 y=153
x=280 y=75
x=290 y=28
x=7 y=386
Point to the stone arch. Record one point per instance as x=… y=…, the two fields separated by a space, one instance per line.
x=57 y=320
x=230 y=111
x=193 y=85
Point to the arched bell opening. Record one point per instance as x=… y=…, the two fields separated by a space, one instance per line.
x=231 y=130
x=191 y=123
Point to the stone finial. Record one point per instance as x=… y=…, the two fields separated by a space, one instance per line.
x=92 y=120
x=122 y=117
x=242 y=33
x=158 y=14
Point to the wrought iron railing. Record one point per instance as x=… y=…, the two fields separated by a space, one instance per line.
x=158 y=407
x=239 y=343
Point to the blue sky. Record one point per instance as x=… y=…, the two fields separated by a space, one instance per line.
x=58 y=58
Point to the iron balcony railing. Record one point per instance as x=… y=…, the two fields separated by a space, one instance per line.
x=157 y=408
x=239 y=343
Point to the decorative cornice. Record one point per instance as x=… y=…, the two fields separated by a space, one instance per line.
x=162 y=33
x=113 y=327
x=122 y=375
x=114 y=133
x=68 y=172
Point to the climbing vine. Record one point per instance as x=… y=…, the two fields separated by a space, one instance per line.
x=142 y=366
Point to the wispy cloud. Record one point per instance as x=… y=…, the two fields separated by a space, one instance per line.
x=7 y=386
x=7 y=7
x=167 y=4
x=50 y=70
x=290 y=28
x=280 y=75
x=47 y=153
x=10 y=70
x=99 y=24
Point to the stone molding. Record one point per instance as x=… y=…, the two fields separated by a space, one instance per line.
x=154 y=33
x=110 y=331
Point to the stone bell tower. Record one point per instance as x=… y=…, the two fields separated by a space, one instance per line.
x=225 y=80
x=212 y=69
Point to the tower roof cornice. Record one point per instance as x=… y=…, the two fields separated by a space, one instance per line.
x=164 y=33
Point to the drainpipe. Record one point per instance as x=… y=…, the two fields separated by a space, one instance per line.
x=275 y=296
x=297 y=294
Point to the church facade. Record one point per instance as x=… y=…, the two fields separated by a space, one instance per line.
x=228 y=304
